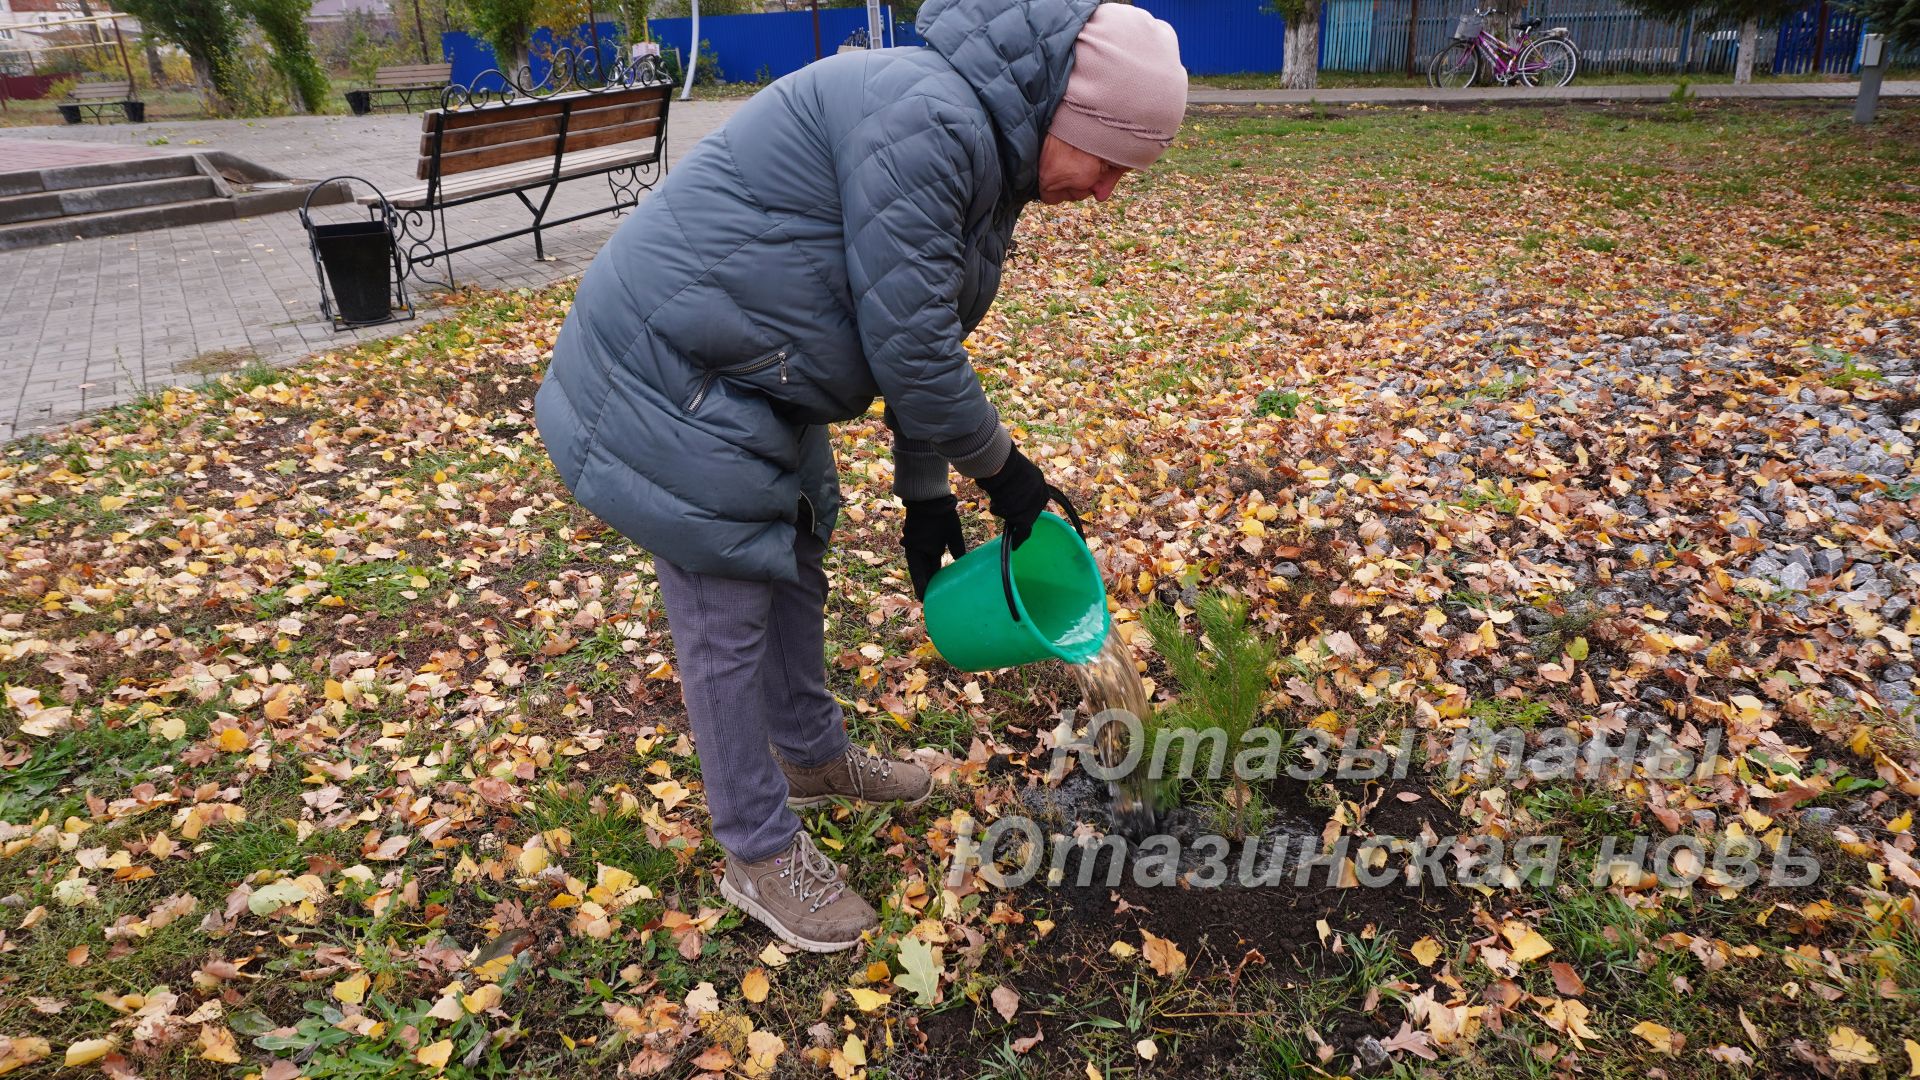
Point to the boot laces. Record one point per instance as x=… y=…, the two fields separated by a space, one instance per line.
x=806 y=870
x=859 y=761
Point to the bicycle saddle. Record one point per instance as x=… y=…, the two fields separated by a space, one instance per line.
x=1527 y=24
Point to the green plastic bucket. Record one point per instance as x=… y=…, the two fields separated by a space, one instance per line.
x=1050 y=605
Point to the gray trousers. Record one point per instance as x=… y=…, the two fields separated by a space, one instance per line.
x=753 y=671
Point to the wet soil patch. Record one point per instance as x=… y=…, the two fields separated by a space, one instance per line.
x=1250 y=950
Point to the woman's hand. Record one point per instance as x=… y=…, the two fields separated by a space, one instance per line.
x=932 y=530
x=1017 y=494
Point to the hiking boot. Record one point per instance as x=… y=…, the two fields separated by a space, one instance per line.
x=856 y=774
x=801 y=896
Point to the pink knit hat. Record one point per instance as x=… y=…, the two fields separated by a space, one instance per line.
x=1127 y=93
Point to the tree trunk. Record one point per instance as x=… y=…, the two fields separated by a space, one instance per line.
x=202 y=75
x=1300 y=67
x=1500 y=21
x=203 y=80
x=1749 y=43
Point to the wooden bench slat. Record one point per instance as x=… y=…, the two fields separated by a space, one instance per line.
x=117 y=91
x=396 y=82
x=482 y=115
x=533 y=127
x=542 y=148
x=507 y=179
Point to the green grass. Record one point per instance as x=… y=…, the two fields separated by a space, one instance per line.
x=1346 y=80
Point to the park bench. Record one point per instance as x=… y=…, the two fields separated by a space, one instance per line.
x=95 y=98
x=526 y=147
x=426 y=81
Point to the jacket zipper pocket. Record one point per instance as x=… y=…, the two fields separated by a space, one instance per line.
x=778 y=356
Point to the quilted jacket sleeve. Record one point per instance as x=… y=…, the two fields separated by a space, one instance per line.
x=908 y=175
x=919 y=470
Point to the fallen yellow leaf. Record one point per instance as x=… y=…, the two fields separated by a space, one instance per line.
x=351 y=991
x=1658 y=1036
x=88 y=1051
x=1526 y=942
x=1849 y=1046
x=1426 y=951
x=1163 y=955
x=754 y=986
x=869 y=1000
x=763 y=1050
x=24 y=1050
x=216 y=1044
x=435 y=1056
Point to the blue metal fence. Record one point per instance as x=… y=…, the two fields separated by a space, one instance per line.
x=474 y=63
x=1221 y=37
x=773 y=44
x=1808 y=42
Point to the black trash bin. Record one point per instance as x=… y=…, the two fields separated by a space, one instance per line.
x=358 y=263
x=359 y=260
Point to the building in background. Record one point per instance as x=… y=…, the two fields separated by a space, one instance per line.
x=31 y=32
x=330 y=12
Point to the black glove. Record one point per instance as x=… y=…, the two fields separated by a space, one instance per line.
x=932 y=530
x=1017 y=494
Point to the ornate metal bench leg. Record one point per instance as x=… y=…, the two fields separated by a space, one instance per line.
x=419 y=229
x=539 y=215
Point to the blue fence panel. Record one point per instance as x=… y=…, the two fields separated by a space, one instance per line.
x=548 y=42
x=1346 y=34
x=1223 y=37
x=470 y=58
x=780 y=42
x=1801 y=48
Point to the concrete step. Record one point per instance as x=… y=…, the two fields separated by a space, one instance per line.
x=67 y=202
x=131 y=171
x=114 y=222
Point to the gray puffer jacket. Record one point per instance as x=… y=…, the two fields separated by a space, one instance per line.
x=835 y=241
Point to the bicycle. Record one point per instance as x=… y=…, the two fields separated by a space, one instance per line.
x=1550 y=59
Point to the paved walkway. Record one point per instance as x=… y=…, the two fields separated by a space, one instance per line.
x=1526 y=95
x=24 y=155
x=92 y=323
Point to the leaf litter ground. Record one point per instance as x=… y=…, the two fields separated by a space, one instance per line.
x=340 y=743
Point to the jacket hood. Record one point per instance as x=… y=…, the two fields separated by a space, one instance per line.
x=1017 y=55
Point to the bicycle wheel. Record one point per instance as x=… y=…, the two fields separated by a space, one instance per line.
x=1549 y=63
x=1455 y=67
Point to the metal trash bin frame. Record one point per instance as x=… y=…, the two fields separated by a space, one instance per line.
x=399 y=309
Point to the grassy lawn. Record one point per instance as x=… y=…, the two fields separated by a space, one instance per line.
x=1347 y=80
x=339 y=743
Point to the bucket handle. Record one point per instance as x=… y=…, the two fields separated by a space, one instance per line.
x=1054 y=494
